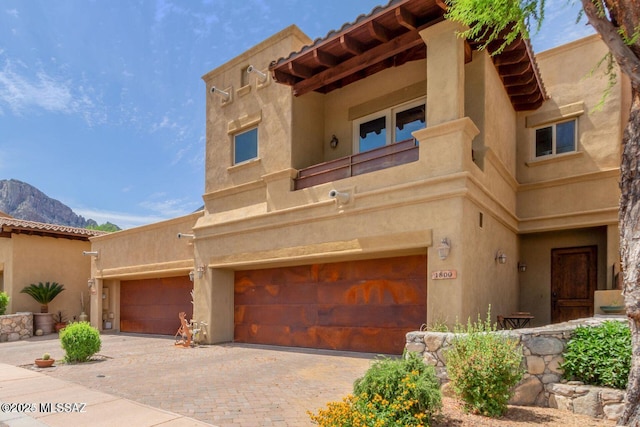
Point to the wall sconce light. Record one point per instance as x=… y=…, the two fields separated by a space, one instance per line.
x=522 y=267
x=91 y=282
x=340 y=196
x=222 y=94
x=200 y=271
x=443 y=248
x=501 y=258
x=90 y=253
x=186 y=236
x=191 y=275
x=334 y=141
x=262 y=77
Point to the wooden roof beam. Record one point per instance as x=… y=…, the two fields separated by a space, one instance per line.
x=515 y=69
x=284 y=78
x=351 y=45
x=518 y=80
x=378 y=32
x=298 y=70
x=510 y=58
x=526 y=89
x=325 y=59
x=351 y=65
x=406 y=18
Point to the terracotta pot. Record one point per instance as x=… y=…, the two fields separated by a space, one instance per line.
x=41 y=363
x=60 y=326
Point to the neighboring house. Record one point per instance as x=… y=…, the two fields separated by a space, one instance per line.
x=33 y=252
x=389 y=175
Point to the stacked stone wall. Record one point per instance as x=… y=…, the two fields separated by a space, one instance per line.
x=14 y=327
x=542 y=385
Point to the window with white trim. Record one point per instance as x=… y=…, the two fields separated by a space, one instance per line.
x=556 y=138
x=388 y=126
x=245 y=146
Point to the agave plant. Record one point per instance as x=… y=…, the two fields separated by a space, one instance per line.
x=43 y=293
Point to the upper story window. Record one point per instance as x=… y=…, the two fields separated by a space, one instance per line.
x=388 y=126
x=557 y=138
x=245 y=146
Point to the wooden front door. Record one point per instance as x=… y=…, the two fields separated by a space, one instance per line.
x=573 y=282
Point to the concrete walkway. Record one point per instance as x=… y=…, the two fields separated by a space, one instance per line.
x=147 y=381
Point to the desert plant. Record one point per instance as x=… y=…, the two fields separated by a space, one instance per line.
x=4 y=302
x=43 y=293
x=59 y=317
x=599 y=355
x=80 y=341
x=46 y=356
x=393 y=392
x=484 y=366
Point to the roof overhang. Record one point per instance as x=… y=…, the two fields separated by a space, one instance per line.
x=388 y=37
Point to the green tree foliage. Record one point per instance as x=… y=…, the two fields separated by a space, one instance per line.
x=107 y=226
x=4 y=302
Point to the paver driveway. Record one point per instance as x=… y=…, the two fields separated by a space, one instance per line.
x=225 y=385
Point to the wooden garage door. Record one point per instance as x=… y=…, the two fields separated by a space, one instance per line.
x=358 y=306
x=151 y=306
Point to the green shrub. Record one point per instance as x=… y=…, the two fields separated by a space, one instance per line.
x=483 y=367
x=4 y=302
x=402 y=392
x=80 y=341
x=599 y=355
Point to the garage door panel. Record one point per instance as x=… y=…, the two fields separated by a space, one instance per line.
x=372 y=316
x=358 y=305
x=373 y=291
x=290 y=315
x=151 y=306
x=270 y=293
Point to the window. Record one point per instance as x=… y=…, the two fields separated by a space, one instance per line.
x=245 y=146
x=388 y=126
x=557 y=138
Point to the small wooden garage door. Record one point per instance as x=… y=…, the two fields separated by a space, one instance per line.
x=151 y=306
x=364 y=306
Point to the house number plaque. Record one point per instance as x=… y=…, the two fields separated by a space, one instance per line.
x=444 y=274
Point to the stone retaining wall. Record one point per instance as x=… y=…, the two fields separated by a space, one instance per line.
x=542 y=350
x=14 y=327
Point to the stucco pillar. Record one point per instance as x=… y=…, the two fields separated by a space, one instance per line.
x=445 y=72
x=214 y=304
x=95 y=304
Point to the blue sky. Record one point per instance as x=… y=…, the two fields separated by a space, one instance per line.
x=102 y=105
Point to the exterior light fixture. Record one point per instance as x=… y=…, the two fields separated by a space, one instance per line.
x=262 y=77
x=522 y=267
x=225 y=96
x=186 y=236
x=91 y=282
x=191 y=274
x=90 y=253
x=501 y=258
x=200 y=271
x=341 y=196
x=444 y=248
x=334 y=141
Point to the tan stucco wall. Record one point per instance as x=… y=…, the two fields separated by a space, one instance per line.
x=34 y=259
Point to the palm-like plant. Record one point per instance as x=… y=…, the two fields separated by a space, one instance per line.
x=43 y=293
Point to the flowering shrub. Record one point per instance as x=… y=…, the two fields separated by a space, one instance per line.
x=483 y=367
x=402 y=392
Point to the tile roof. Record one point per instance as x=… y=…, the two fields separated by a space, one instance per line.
x=13 y=225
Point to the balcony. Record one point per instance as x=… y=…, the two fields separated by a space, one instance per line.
x=358 y=164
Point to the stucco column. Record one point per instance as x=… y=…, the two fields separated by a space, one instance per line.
x=214 y=304
x=445 y=72
x=95 y=304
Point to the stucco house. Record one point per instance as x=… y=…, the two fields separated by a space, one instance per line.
x=385 y=176
x=33 y=252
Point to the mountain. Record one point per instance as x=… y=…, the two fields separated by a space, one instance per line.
x=24 y=201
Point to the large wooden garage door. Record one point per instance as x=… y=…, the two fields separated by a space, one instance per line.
x=358 y=306
x=151 y=306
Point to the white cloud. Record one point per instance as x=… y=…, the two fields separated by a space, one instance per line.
x=168 y=208
x=121 y=219
x=13 y=12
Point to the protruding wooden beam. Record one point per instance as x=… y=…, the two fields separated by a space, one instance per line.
x=284 y=78
x=518 y=80
x=510 y=58
x=378 y=32
x=351 y=45
x=515 y=69
x=526 y=89
x=325 y=59
x=299 y=70
x=406 y=18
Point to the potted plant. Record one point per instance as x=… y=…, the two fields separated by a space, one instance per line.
x=45 y=362
x=60 y=321
x=43 y=293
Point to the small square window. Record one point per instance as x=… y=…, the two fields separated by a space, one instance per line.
x=556 y=139
x=245 y=146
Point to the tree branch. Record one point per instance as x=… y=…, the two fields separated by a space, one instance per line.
x=627 y=60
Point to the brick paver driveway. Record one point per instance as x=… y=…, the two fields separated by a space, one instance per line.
x=225 y=385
